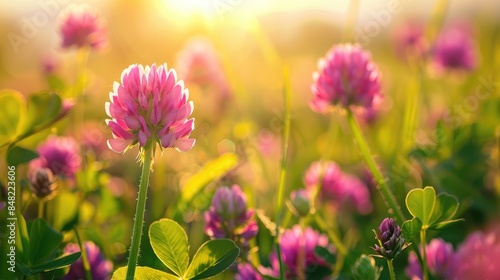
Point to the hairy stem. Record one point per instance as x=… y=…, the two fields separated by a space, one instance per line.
x=383 y=188
x=391 y=270
x=139 y=214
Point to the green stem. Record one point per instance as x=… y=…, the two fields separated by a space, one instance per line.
x=331 y=234
x=41 y=208
x=391 y=270
x=383 y=188
x=424 y=254
x=85 y=259
x=139 y=214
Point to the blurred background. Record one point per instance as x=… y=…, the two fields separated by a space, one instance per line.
x=240 y=111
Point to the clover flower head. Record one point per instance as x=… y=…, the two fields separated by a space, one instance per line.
x=150 y=106
x=60 y=155
x=80 y=27
x=100 y=268
x=229 y=216
x=391 y=242
x=346 y=77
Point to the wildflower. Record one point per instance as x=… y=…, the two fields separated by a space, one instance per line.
x=337 y=188
x=439 y=258
x=455 y=49
x=391 y=242
x=80 y=27
x=150 y=106
x=300 y=201
x=414 y=269
x=346 y=77
x=198 y=63
x=410 y=41
x=477 y=257
x=296 y=243
x=247 y=272
x=228 y=216
x=42 y=183
x=100 y=268
x=60 y=155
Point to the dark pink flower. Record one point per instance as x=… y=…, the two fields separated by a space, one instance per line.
x=100 y=268
x=455 y=49
x=198 y=63
x=346 y=77
x=440 y=256
x=337 y=188
x=60 y=155
x=247 y=272
x=295 y=242
x=150 y=106
x=80 y=27
x=477 y=257
x=229 y=217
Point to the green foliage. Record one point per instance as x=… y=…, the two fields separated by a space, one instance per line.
x=143 y=273
x=365 y=269
x=37 y=247
x=170 y=244
x=431 y=211
x=211 y=171
x=21 y=118
x=18 y=155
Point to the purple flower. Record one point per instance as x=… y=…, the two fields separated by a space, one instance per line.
x=346 y=77
x=42 y=183
x=455 y=49
x=80 y=27
x=100 y=268
x=150 y=106
x=477 y=257
x=391 y=242
x=228 y=216
x=247 y=272
x=296 y=243
x=60 y=155
x=440 y=256
x=414 y=269
x=337 y=188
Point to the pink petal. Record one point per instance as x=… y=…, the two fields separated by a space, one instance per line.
x=119 y=145
x=118 y=130
x=184 y=145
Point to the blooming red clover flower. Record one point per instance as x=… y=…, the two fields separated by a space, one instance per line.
x=150 y=106
x=228 y=216
x=346 y=77
x=440 y=256
x=100 y=268
x=80 y=27
x=60 y=155
x=247 y=272
x=455 y=49
x=294 y=242
x=337 y=188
